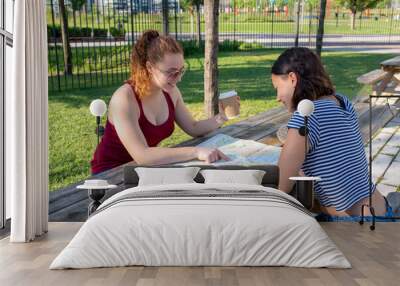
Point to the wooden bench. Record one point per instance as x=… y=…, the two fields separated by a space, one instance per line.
x=385 y=81
x=372 y=77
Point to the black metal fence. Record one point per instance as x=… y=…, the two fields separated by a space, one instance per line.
x=101 y=32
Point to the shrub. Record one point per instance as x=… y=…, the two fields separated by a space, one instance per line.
x=191 y=48
x=115 y=32
x=250 y=46
x=74 y=32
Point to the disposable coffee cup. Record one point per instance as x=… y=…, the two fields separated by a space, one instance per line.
x=282 y=134
x=304 y=190
x=230 y=104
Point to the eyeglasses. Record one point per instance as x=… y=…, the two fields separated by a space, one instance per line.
x=173 y=74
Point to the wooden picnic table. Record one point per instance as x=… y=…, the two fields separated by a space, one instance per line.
x=386 y=80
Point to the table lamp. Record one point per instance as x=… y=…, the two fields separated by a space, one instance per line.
x=305 y=185
x=305 y=108
x=98 y=108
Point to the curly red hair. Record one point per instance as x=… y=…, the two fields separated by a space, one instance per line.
x=150 y=47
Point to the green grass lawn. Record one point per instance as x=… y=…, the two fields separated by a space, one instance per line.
x=71 y=126
x=265 y=26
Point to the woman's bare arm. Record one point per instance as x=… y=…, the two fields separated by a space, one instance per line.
x=291 y=159
x=188 y=124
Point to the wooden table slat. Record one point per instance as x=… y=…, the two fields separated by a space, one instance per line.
x=393 y=62
x=372 y=76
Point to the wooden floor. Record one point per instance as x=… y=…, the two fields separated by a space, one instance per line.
x=374 y=255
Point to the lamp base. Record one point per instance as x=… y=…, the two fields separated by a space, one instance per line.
x=96 y=195
x=372 y=211
x=304 y=190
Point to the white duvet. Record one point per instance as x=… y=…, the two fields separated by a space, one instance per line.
x=185 y=230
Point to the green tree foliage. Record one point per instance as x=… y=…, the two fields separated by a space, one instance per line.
x=312 y=3
x=246 y=3
x=76 y=5
x=385 y=4
x=190 y=4
x=357 y=6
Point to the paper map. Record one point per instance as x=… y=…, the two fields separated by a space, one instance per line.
x=241 y=152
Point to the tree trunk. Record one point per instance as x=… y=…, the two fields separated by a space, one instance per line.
x=65 y=39
x=165 y=17
x=198 y=25
x=74 y=17
x=321 y=23
x=309 y=24
x=211 y=57
x=296 y=40
x=97 y=13
x=191 y=25
x=353 y=20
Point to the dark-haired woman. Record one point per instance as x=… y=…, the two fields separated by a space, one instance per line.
x=335 y=148
x=142 y=112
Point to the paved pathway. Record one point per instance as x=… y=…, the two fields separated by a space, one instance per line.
x=386 y=157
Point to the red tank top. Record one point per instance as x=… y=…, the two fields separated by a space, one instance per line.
x=111 y=152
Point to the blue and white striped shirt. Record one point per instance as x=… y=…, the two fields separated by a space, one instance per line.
x=336 y=153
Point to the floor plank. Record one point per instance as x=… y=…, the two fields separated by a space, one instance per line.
x=374 y=255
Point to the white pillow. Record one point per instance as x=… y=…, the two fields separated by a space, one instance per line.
x=248 y=177
x=165 y=176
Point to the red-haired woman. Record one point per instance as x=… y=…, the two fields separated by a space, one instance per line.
x=142 y=112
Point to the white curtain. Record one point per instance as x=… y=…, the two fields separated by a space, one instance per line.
x=27 y=124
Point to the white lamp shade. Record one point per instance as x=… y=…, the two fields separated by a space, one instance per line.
x=98 y=107
x=305 y=107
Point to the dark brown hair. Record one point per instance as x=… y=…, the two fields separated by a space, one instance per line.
x=312 y=79
x=150 y=47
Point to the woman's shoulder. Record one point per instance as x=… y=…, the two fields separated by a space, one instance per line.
x=345 y=101
x=340 y=110
x=338 y=100
x=296 y=120
x=123 y=100
x=123 y=95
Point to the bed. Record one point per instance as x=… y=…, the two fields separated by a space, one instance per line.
x=201 y=224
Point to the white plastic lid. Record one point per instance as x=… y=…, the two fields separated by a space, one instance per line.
x=305 y=178
x=227 y=94
x=96 y=183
